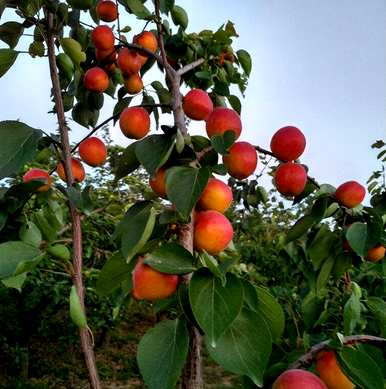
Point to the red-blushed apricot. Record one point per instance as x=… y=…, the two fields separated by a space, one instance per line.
x=158 y=183
x=96 y=80
x=147 y=40
x=290 y=179
x=226 y=56
x=241 y=160
x=376 y=253
x=212 y=232
x=216 y=196
x=107 y=10
x=133 y=84
x=41 y=175
x=197 y=104
x=77 y=169
x=106 y=56
x=150 y=284
x=128 y=61
x=110 y=68
x=103 y=37
x=350 y=194
x=134 y=122
x=288 y=143
x=298 y=379
x=330 y=372
x=221 y=120
x=93 y=151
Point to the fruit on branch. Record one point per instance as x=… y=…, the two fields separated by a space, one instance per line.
x=103 y=38
x=376 y=253
x=133 y=84
x=147 y=40
x=106 y=56
x=41 y=175
x=241 y=160
x=128 y=61
x=158 y=183
x=134 y=122
x=77 y=169
x=221 y=120
x=350 y=194
x=216 y=196
x=290 y=179
x=330 y=372
x=197 y=104
x=298 y=379
x=107 y=10
x=288 y=143
x=226 y=56
x=96 y=80
x=150 y=284
x=93 y=151
x=212 y=232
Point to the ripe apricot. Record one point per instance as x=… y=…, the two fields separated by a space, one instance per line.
x=216 y=196
x=290 y=179
x=158 y=183
x=298 y=379
x=133 y=84
x=96 y=80
x=103 y=37
x=350 y=194
x=77 y=169
x=212 y=232
x=241 y=160
x=128 y=61
x=106 y=56
x=107 y=10
x=376 y=253
x=150 y=284
x=134 y=122
x=197 y=104
x=147 y=40
x=41 y=175
x=288 y=143
x=93 y=151
x=221 y=120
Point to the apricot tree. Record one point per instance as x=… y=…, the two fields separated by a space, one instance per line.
x=183 y=252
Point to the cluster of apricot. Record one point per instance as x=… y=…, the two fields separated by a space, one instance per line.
x=330 y=373
x=212 y=230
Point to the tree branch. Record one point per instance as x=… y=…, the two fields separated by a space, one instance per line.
x=307 y=359
x=190 y=66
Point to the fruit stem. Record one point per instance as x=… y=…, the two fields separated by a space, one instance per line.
x=75 y=217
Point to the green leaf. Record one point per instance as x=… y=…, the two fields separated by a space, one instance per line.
x=215 y=307
x=15 y=282
x=76 y=311
x=360 y=368
x=127 y=162
x=59 y=251
x=10 y=33
x=180 y=17
x=137 y=8
x=352 y=310
x=171 y=258
x=30 y=233
x=356 y=236
x=245 y=347
x=320 y=246
x=166 y=6
x=14 y=256
x=312 y=307
x=245 y=61
x=211 y=263
x=324 y=274
x=162 y=353
x=120 y=106
x=18 y=146
x=251 y=299
x=299 y=228
x=221 y=143
x=115 y=272
x=235 y=103
x=153 y=151
x=184 y=186
x=7 y=59
x=377 y=307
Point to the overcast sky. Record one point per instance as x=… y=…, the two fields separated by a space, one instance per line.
x=318 y=65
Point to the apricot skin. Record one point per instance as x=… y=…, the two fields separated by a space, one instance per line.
x=376 y=253
x=103 y=37
x=350 y=194
x=147 y=40
x=133 y=84
x=298 y=379
x=77 y=168
x=38 y=174
x=96 y=80
x=212 y=232
x=241 y=160
x=158 y=183
x=150 y=284
x=330 y=372
x=197 y=104
x=128 y=61
x=290 y=179
x=93 y=151
x=106 y=56
x=216 y=196
x=134 y=122
x=221 y=120
x=288 y=143
x=107 y=10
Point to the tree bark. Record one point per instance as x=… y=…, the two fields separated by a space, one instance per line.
x=77 y=259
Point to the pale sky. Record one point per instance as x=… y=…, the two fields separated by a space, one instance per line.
x=318 y=65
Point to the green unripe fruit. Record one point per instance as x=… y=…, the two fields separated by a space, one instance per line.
x=180 y=17
x=65 y=65
x=76 y=311
x=74 y=50
x=59 y=251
